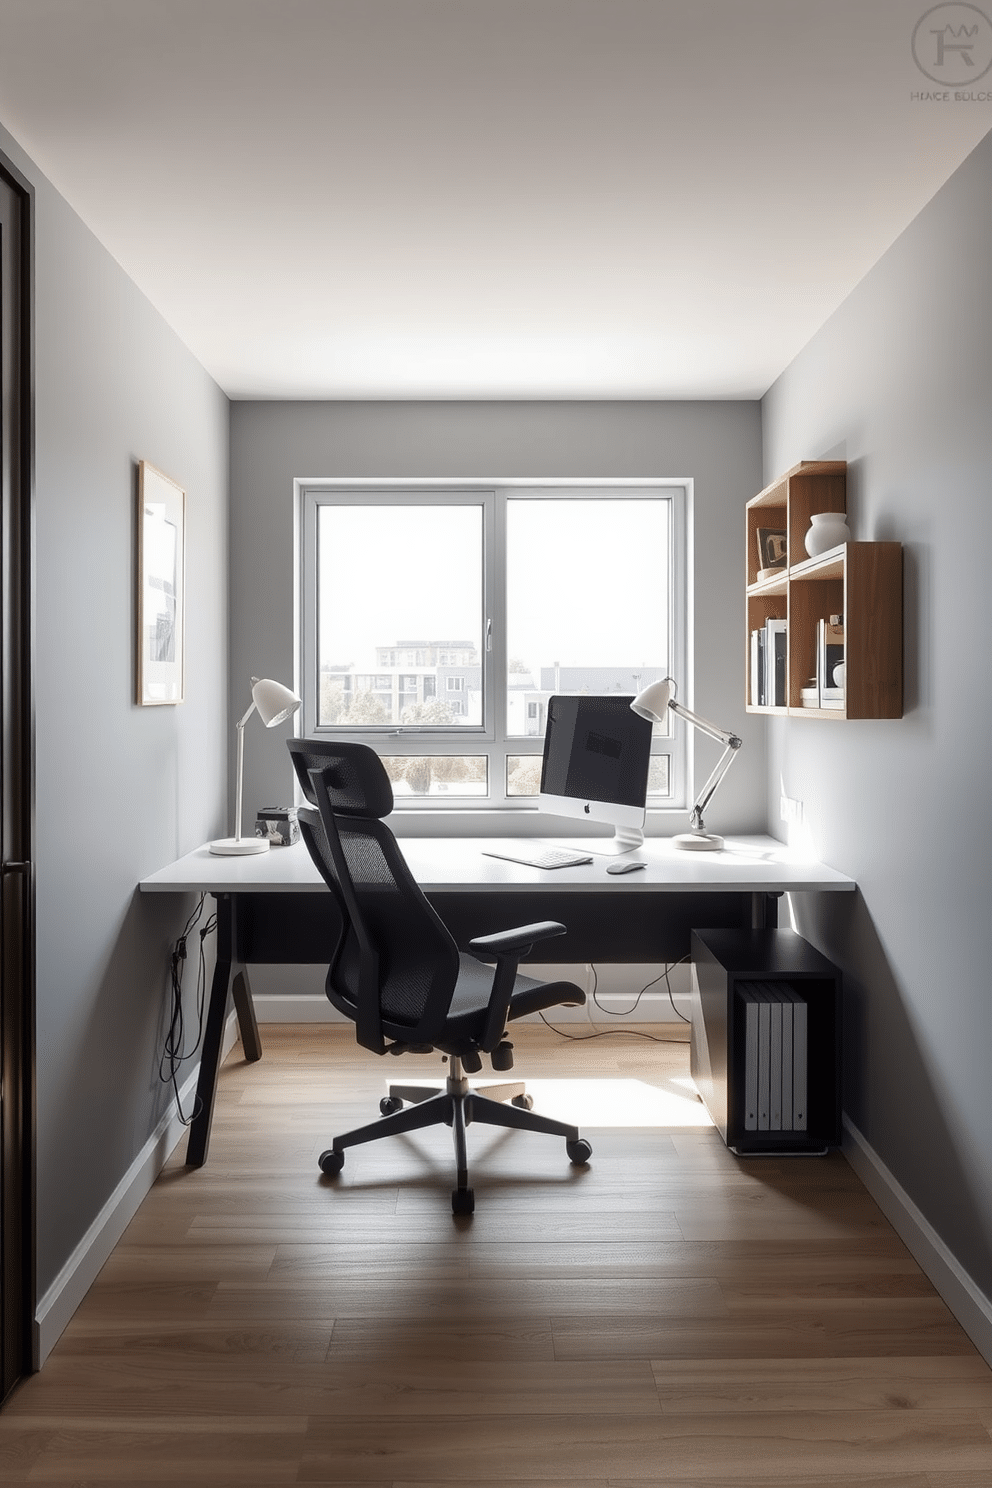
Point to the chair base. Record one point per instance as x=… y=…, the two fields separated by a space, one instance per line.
x=456 y=1106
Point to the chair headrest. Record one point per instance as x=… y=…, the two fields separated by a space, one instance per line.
x=354 y=774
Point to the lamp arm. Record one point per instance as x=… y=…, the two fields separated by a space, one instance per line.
x=708 y=791
x=723 y=736
x=240 y=726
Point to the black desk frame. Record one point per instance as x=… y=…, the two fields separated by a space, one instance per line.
x=301 y=929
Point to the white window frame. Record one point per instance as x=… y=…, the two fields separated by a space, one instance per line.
x=490 y=738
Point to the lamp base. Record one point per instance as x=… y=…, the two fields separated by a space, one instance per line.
x=238 y=847
x=698 y=842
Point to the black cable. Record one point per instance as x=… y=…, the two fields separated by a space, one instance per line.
x=653 y=1038
x=175 y=1053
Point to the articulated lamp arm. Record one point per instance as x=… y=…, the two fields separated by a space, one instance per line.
x=657 y=699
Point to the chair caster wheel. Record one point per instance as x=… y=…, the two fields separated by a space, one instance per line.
x=331 y=1162
x=462 y=1201
x=579 y=1152
x=525 y=1102
x=389 y=1105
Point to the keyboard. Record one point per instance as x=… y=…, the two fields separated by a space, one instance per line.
x=542 y=857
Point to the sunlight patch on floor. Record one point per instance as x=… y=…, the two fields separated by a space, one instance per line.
x=620 y=1102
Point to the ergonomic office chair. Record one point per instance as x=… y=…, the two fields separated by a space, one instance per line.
x=398 y=974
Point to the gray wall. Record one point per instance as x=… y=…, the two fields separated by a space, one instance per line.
x=899 y=383
x=122 y=790
x=718 y=444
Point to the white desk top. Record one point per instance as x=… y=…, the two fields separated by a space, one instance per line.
x=746 y=865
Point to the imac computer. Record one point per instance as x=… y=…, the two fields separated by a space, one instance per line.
x=596 y=758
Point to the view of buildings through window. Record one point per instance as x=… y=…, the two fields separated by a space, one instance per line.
x=445 y=622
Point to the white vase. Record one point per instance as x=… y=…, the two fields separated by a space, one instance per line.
x=827 y=530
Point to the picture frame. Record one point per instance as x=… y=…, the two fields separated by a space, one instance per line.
x=161 y=588
x=773 y=550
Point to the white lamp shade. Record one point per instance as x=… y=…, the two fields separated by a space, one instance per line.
x=653 y=702
x=273 y=701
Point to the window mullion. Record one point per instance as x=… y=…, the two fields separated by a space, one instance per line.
x=496 y=612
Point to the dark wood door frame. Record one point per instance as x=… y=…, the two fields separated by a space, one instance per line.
x=17 y=969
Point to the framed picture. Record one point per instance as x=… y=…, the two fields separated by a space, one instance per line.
x=161 y=585
x=772 y=548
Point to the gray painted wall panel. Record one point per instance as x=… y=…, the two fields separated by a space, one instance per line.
x=717 y=444
x=899 y=382
x=121 y=789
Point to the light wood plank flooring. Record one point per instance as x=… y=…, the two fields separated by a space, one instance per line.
x=670 y=1315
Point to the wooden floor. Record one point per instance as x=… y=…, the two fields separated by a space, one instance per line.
x=669 y=1315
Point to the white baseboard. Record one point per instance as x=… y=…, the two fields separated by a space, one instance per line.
x=963 y=1296
x=626 y=993
x=56 y=1308
x=614 y=1008
x=295 y=1007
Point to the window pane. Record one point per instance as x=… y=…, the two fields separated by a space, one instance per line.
x=438 y=775
x=523 y=774
x=659 y=776
x=588 y=601
x=399 y=606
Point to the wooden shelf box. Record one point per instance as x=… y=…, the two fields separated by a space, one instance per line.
x=860 y=581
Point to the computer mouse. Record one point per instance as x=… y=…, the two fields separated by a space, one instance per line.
x=624 y=867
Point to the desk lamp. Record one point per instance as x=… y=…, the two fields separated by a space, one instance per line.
x=274 y=703
x=653 y=703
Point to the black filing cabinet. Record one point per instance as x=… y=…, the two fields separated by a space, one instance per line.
x=732 y=970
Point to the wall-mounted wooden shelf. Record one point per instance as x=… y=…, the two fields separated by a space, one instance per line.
x=860 y=581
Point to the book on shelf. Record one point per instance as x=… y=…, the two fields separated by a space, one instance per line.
x=776 y=652
x=829 y=654
x=757 y=673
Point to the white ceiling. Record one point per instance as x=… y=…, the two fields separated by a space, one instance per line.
x=486 y=198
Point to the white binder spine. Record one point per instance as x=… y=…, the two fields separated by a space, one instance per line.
x=788 y=1037
x=750 y=1012
x=800 y=1023
x=774 y=1000
x=764 y=1055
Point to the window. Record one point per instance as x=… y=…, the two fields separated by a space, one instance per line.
x=500 y=597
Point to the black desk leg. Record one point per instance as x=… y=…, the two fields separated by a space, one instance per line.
x=764 y=910
x=245 y=1009
x=213 y=1033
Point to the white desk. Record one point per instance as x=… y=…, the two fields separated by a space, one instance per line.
x=459 y=865
x=274 y=907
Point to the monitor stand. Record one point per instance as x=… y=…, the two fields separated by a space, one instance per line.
x=624 y=840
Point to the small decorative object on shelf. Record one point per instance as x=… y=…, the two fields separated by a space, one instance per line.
x=279 y=825
x=830 y=659
x=773 y=551
x=826 y=530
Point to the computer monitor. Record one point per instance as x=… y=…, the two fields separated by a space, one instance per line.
x=596 y=758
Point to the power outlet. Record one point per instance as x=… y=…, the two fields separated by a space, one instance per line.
x=790 y=810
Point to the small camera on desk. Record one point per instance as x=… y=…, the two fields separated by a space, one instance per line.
x=278 y=824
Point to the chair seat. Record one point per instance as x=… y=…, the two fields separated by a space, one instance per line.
x=470 y=999
x=470 y=1004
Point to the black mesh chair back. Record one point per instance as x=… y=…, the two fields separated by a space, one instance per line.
x=358 y=784
x=396 y=964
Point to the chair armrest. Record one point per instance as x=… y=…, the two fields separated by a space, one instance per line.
x=507 y=948
x=514 y=943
